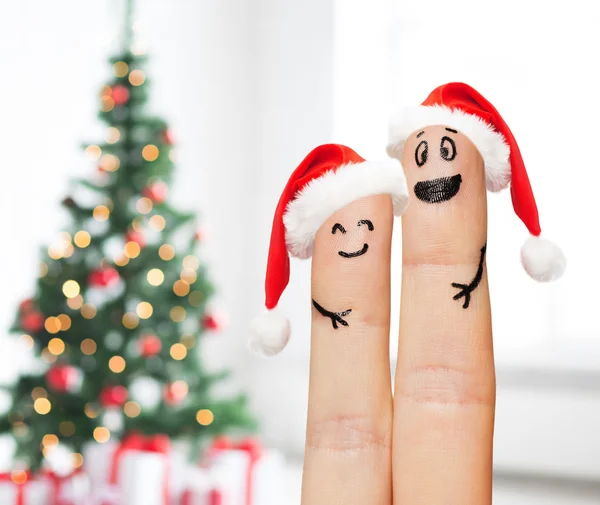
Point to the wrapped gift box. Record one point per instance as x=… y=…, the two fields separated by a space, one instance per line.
x=203 y=487
x=73 y=489
x=238 y=474
x=24 y=489
x=134 y=472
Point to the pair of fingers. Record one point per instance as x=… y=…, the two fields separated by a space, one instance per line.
x=431 y=441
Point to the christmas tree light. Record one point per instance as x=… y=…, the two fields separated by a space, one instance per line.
x=120 y=306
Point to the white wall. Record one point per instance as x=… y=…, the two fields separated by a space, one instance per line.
x=294 y=114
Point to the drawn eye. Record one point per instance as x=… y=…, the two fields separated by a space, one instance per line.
x=368 y=222
x=447 y=149
x=421 y=153
x=336 y=227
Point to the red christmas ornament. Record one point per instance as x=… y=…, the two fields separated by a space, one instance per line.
x=113 y=396
x=63 y=378
x=103 y=277
x=167 y=137
x=32 y=321
x=150 y=345
x=200 y=234
x=120 y=94
x=26 y=305
x=213 y=322
x=157 y=192
x=135 y=236
x=176 y=392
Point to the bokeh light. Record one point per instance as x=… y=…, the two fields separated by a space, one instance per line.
x=56 y=346
x=137 y=77
x=191 y=263
x=65 y=322
x=75 y=303
x=188 y=340
x=28 y=341
x=107 y=104
x=39 y=392
x=88 y=346
x=113 y=135
x=90 y=410
x=93 y=152
x=132 y=409
x=71 y=289
x=52 y=325
x=42 y=406
x=101 y=213
x=188 y=276
x=116 y=364
x=121 y=261
x=47 y=356
x=69 y=250
x=144 y=310
x=150 y=152
x=138 y=224
x=77 y=460
x=132 y=250
x=178 y=314
x=19 y=477
x=82 y=239
x=101 y=434
x=181 y=288
x=120 y=68
x=66 y=428
x=205 y=417
x=110 y=163
x=179 y=389
x=157 y=223
x=88 y=311
x=178 y=351
x=144 y=205
x=156 y=277
x=166 y=252
x=50 y=439
x=130 y=321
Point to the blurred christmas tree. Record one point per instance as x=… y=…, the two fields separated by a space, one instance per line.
x=121 y=300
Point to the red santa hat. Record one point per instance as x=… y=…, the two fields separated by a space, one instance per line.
x=329 y=178
x=461 y=107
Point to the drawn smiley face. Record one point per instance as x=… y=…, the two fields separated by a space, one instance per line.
x=363 y=222
x=440 y=189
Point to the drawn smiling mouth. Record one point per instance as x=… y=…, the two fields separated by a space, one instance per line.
x=364 y=249
x=438 y=190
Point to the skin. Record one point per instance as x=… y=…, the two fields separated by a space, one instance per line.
x=432 y=442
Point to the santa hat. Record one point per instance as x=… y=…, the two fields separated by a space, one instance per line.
x=329 y=178
x=461 y=107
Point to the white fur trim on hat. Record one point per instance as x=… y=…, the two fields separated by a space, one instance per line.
x=490 y=144
x=331 y=192
x=543 y=260
x=270 y=333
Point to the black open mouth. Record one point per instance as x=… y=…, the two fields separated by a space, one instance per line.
x=438 y=190
x=344 y=254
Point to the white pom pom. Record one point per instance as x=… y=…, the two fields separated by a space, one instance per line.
x=543 y=260
x=270 y=333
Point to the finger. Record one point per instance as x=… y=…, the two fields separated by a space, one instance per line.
x=445 y=380
x=348 y=439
